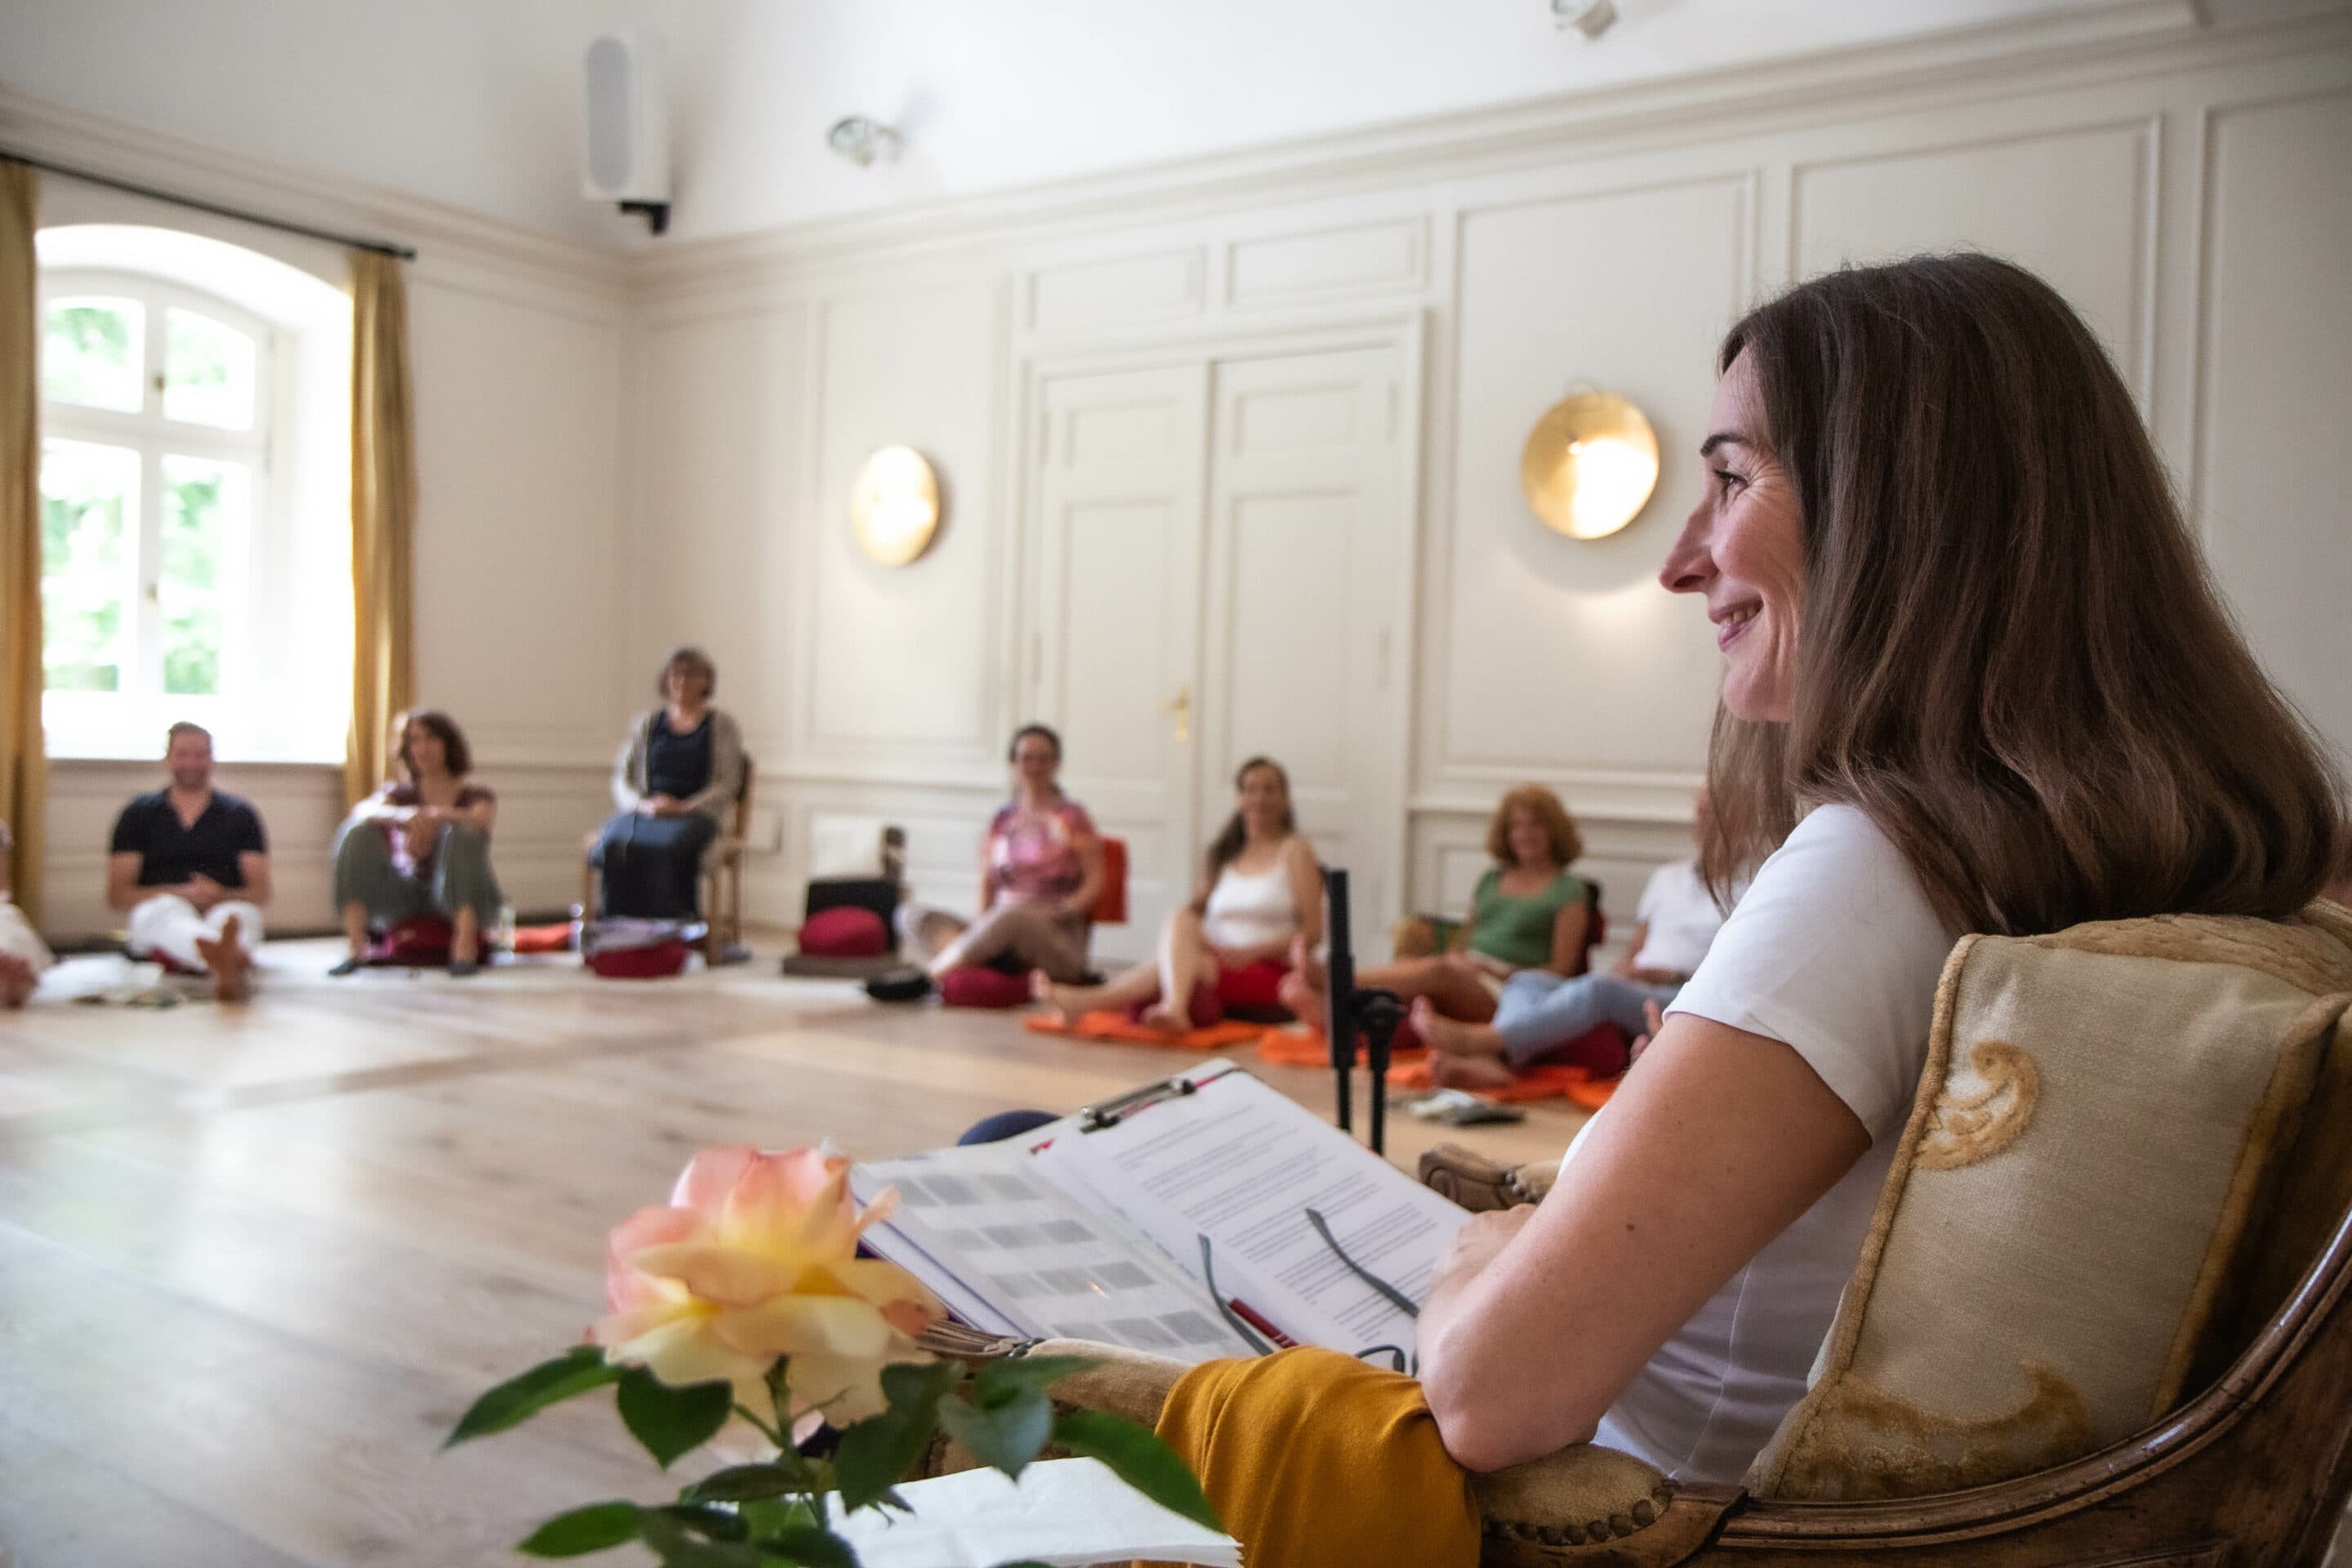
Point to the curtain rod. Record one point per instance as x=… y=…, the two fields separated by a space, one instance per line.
x=380 y=247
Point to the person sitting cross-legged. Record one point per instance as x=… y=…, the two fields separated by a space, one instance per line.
x=1539 y=1012
x=191 y=865
x=421 y=847
x=23 y=955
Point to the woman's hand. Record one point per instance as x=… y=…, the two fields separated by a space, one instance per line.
x=656 y=806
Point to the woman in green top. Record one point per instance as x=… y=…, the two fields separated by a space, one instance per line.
x=1528 y=911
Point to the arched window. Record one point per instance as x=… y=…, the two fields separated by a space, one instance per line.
x=186 y=538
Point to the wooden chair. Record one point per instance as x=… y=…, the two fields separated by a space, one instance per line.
x=721 y=893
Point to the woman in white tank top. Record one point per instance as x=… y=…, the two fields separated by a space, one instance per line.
x=1261 y=889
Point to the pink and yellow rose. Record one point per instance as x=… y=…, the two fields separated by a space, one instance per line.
x=756 y=1258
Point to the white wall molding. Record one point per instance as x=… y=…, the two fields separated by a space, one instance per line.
x=2083 y=46
x=176 y=163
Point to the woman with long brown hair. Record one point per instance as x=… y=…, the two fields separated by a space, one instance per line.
x=420 y=847
x=1260 y=889
x=1976 y=678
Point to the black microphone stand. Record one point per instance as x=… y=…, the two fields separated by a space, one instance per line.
x=1375 y=1011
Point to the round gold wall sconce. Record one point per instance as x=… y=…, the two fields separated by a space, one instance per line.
x=894 y=506
x=1590 y=465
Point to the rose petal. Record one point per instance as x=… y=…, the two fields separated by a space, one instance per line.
x=845 y=1388
x=798 y=1325
x=623 y=1288
x=889 y=1286
x=716 y=1273
x=686 y=1352
x=793 y=1202
x=709 y=1176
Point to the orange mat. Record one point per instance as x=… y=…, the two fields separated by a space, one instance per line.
x=1290 y=1048
x=1538 y=1082
x=1117 y=1026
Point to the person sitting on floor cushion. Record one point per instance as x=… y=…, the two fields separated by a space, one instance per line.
x=1041 y=874
x=677 y=781
x=1976 y=678
x=1262 y=890
x=1529 y=915
x=23 y=955
x=191 y=864
x=1539 y=1012
x=420 y=847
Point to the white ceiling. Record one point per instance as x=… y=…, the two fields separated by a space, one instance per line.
x=476 y=103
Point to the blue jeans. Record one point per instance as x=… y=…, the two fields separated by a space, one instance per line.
x=1539 y=1012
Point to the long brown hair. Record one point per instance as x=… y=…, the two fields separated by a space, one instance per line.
x=1228 y=843
x=455 y=756
x=2011 y=657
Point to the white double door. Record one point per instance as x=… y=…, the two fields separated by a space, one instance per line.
x=1219 y=551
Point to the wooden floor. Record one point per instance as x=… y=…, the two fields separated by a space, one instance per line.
x=254 y=1261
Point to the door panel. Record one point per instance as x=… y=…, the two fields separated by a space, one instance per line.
x=1301 y=614
x=1118 y=569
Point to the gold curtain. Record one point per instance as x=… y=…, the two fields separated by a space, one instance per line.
x=24 y=766
x=383 y=519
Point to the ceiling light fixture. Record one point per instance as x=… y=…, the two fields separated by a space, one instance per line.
x=862 y=140
x=1591 y=17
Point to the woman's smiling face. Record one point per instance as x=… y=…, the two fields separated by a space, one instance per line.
x=1742 y=548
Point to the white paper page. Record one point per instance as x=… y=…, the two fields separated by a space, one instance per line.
x=981 y=1219
x=1240 y=1163
x=1066 y=1513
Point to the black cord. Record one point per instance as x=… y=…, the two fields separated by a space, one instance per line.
x=1402 y=1302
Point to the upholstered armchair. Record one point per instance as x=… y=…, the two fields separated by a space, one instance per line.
x=2101 y=1317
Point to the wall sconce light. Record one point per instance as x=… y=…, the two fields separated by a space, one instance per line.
x=894 y=506
x=1590 y=465
x=862 y=140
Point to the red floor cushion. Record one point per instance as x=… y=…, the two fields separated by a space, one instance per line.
x=977 y=985
x=846 y=930
x=655 y=961
x=1255 y=987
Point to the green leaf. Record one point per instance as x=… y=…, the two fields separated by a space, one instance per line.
x=1140 y=1459
x=677 y=1548
x=673 y=1421
x=1006 y=1437
x=809 y=1546
x=718 y=1524
x=517 y=1400
x=741 y=1483
x=1000 y=1379
x=918 y=1386
x=598 y=1526
x=765 y=1516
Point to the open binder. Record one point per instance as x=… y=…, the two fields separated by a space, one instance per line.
x=1203 y=1216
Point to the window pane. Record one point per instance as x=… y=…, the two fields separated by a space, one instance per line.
x=205 y=507
x=91 y=353
x=208 y=372
x=90 y=502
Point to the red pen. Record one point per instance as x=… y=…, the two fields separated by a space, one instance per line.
x=1243 y=1309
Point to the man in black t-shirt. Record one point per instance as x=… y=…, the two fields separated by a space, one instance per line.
x=191 y=866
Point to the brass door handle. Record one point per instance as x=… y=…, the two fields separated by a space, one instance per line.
x=1180 y=705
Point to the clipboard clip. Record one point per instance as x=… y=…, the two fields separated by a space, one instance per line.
x=1111 y=1111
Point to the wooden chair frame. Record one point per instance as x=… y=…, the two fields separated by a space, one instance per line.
x=723 y=879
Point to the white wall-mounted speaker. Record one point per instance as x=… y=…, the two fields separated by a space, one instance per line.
x=626 y=158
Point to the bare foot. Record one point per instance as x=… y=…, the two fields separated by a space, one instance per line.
x=1474 y=1073
x=1061 y=1000
x=1451 y=1036
x=227 y=961
x=16 y=980
x=1160 y=1015
x=1305 y=999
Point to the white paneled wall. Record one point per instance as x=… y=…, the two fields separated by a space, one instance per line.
x=2186 y=192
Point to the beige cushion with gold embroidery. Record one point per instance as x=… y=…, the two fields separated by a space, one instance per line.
x=2097 y=1114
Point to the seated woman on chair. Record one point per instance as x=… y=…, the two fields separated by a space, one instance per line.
x=677 y=781
x=421 y=847
x=1529 y=915
x=1976 y=678
x=1262 y=890
x=1041 y=874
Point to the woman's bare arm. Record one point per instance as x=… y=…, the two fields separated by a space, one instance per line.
x=1708 y=1151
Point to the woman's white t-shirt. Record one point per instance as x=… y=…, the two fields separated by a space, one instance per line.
x=1834 y=951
